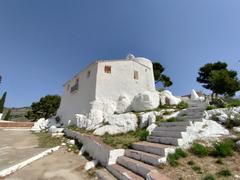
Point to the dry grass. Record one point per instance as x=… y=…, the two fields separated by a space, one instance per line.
x=207 y=165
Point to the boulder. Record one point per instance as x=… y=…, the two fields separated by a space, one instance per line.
x=166 y=97
x=123 y=104
x=145 y=101
x=117 y=124
x=147 y=119
x=222 y=118
x=54 y=129
x=236 y=129
x=40 y=125
x=95 y=119
x=151 y=128
x=238 y=145
x=194 y=96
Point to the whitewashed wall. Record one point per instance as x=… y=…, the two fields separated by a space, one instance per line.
x=78 y=101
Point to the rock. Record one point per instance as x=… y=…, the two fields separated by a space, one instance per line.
x=194 y=95
x=236 y=129
x=95 y=119
x=223 y=118
x=72 y=141
x=147 y=119
x=40 y=125
x=90 y=165
x=166 y=97
x=145 y=101
x=64 y=144
x=81 y=121
x=54 y=129
x=151 y=128
x=118 y=124
x=1 y=114
x=123 y=104
x=238 y=144
x=57 y=135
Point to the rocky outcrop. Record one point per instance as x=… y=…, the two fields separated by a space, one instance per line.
x=166 y=97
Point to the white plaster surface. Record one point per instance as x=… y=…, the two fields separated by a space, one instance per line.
x=166 y=97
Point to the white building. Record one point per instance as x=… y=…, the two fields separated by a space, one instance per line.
x=105 y=83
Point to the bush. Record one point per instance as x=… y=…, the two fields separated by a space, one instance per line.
x=232 y=102
x=219 y=103
x=142 y=134
x=8 y=115
x=224 y=148
x=2 y=102
x=233 y=123
x=224 y=172
x=159 y=119
x=182 y=105
x=211 y=107
x=173 y=158
x=173 y=119
x=209 y=177
x=199 y=150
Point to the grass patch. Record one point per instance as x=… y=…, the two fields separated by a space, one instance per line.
x=173 y=119
x=232 y=102
x=80 y=130
x=209 y=177
x=197 y=169
x=167 y=113
x=125 y=140
x=224 y=173
x=159 y=120
x=173 y=158
x=211 y=107
x=182 y=105
x=224 y=148
x=45 y=140
x=199 y=150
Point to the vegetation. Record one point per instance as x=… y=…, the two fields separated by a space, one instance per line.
x=173 y=158
x=172 y=119
x=125 y=140
x=224 y=148
x=47 y=141
x=219 y=103
x=2 y=102
x=217 y=78
x=197 y=169
x=224 y=173
x=45 y=108
x=211 y=107
x=8 y=115
x=232 y=102
x=199 y=150
x=158 y=70
x=209 y=177
x=159 y=119
x=182 y=105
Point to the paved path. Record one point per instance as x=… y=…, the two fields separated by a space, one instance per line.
x=61 y=165
x=17 y=146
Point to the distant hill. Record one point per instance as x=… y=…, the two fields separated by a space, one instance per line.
x=18 y=114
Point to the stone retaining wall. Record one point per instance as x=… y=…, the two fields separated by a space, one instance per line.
x=96 y=149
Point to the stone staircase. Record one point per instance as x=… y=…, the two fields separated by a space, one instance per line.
x=140 y=162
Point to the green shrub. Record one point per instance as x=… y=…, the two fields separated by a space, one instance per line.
x=167 y=113
x=159 y=119
x=209 y=177
x=182 y=105
x=199 y=150
x=211 y=107
x=2 y=102
x=219 y=103
x=8 y=115
x=142 y=134
x=173 y=119
x=233 y=123
x=224 y=148
x=173 y=158
x=232 y=102
x=224 y=172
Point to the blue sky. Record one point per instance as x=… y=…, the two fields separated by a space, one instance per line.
x=44 y=43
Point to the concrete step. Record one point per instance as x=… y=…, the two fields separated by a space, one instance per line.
x=171 y=128
x=154 y=148
x=164 y=140
x=148 y=158
x=103 y=174
x=170 y=124
x=174 y=134
x=137 y=167
x=121 y=173
x=191 y=118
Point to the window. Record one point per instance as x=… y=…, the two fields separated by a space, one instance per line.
x=68 y=87
x=88 y=74
x=135 y=75
x=75 y=86
x=107 y=69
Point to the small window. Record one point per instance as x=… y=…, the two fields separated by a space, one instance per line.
x=107 y=69
x=135 y=75
x=88 y=74
x=68 y=87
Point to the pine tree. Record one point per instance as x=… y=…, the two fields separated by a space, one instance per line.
x=2 y=102
x=8 y=115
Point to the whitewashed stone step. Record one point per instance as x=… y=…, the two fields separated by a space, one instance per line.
x=154 y=148
x=121 y=173
x=148 y=158
x=103 y=174
x=137 y=167
x=173 y=134
x=171 y=128
x=164 y=140
x=170 y=124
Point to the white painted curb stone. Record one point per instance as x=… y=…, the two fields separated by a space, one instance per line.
x=18 y=166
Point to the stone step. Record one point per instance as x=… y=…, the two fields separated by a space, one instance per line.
x=186 y=118
x=121 y=173
x=103 y=174
x=170 y=124
x=154 y=148
x=137 y=167
x=148 y=158
x=164 y=140
x=171 y=128
x=174 y=134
